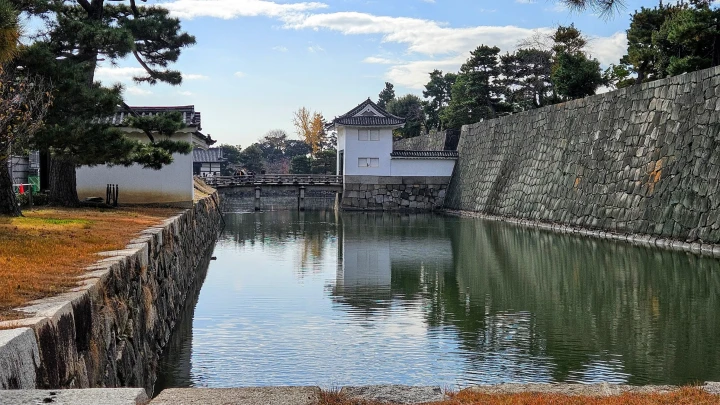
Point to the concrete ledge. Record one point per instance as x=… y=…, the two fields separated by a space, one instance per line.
x=635 y=239
x=240 y=396
x=396 y=394
x=89 y=396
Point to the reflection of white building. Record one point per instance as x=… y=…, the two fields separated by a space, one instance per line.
x=368 y=262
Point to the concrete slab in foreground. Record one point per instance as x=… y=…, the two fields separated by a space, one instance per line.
x=88 y=396
x=239 y=396
x=396 y=394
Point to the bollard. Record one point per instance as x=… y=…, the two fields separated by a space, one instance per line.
x=301 y=198
x=257 y=198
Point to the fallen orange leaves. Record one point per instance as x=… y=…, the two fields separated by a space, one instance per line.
x=42 y=253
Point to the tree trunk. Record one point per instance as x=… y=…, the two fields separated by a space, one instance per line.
x=63 y=182
x=8 y=202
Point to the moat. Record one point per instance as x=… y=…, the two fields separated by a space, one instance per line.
x=333 y=299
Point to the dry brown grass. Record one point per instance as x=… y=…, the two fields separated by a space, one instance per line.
x=683 y=396
x=42 y=253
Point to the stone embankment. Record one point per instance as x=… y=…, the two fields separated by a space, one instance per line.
x=433 y=141
x=641 y=161
x=387 y=193
x=111 y=329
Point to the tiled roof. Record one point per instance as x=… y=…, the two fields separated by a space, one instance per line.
x=189 y=115
x=212 y=155
x=427 y=154
x=363 y=116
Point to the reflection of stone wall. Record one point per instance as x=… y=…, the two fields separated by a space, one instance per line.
x=433 y=141
x=645 y=160
x=394 y=193
x=592 y=298
x=242 y=199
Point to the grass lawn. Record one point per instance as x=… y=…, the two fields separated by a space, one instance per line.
x=42 y=253
x=683 y=396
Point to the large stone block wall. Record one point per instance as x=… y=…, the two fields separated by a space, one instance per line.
x=379 y=193
x=434 y=141
x=111 y=330
x=641 y=160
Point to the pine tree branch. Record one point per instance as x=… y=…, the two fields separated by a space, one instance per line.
x=134 y=114
x=86 y=5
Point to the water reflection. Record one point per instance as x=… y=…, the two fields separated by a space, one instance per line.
x=364 y=298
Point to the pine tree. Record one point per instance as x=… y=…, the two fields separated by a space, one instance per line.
x=76 y=35
x=387 y=94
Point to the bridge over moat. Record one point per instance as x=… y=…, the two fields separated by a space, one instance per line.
x=298 y=184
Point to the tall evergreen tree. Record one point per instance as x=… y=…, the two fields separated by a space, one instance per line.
x=478 y=91
x=438 y=91
x=409 y=107
x=526 y=77
x=387 y=94
x=77 y=34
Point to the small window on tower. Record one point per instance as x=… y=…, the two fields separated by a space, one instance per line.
x=374 y=162
x=362 y=162
x=363 y=134
x=374 y=135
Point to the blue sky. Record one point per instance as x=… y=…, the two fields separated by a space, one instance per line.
x=257 y=61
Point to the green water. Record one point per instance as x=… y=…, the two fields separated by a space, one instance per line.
x=320 y=298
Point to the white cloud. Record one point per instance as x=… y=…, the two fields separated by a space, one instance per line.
x=227 y=9
x=114 y=74
x=185 y=93
x=610 y=49
x=421 y=36
x=240 y=74
x=191 y=76
x=416 y=74
x=380 y=60
x=137 y=91
x=315 y=48
x=525 y=1
x=280 y=48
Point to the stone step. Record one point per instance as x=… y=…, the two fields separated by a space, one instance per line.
x=88 y=396
x=239 y=396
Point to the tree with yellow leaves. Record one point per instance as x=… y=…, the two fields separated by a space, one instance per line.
x=310 y=128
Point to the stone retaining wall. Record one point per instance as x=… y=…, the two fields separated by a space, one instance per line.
x=641 y=160
x=111 y=329
x=381 y=193
x=434 y=141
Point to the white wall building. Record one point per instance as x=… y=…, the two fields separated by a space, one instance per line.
x=171 y=185
x=366 y=158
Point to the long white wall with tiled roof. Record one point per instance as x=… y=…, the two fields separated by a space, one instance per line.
x=172 y=185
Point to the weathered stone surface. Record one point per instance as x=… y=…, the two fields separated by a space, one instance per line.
x=434 y=141
x=110 y=330
x=424 y=193
x=90 y=396
x=395 y=394
x=638 y=160
x=240 y=396
x=712 y=387
x=19 y=358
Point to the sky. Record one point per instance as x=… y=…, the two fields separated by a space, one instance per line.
x=258 y=61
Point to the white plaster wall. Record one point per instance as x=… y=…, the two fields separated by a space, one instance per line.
x=340 y=147
x=366 y=263
x=355 y=149
x=171 y=184
x=422 y=167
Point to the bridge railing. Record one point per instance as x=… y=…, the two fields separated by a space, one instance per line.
x=273 y=179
